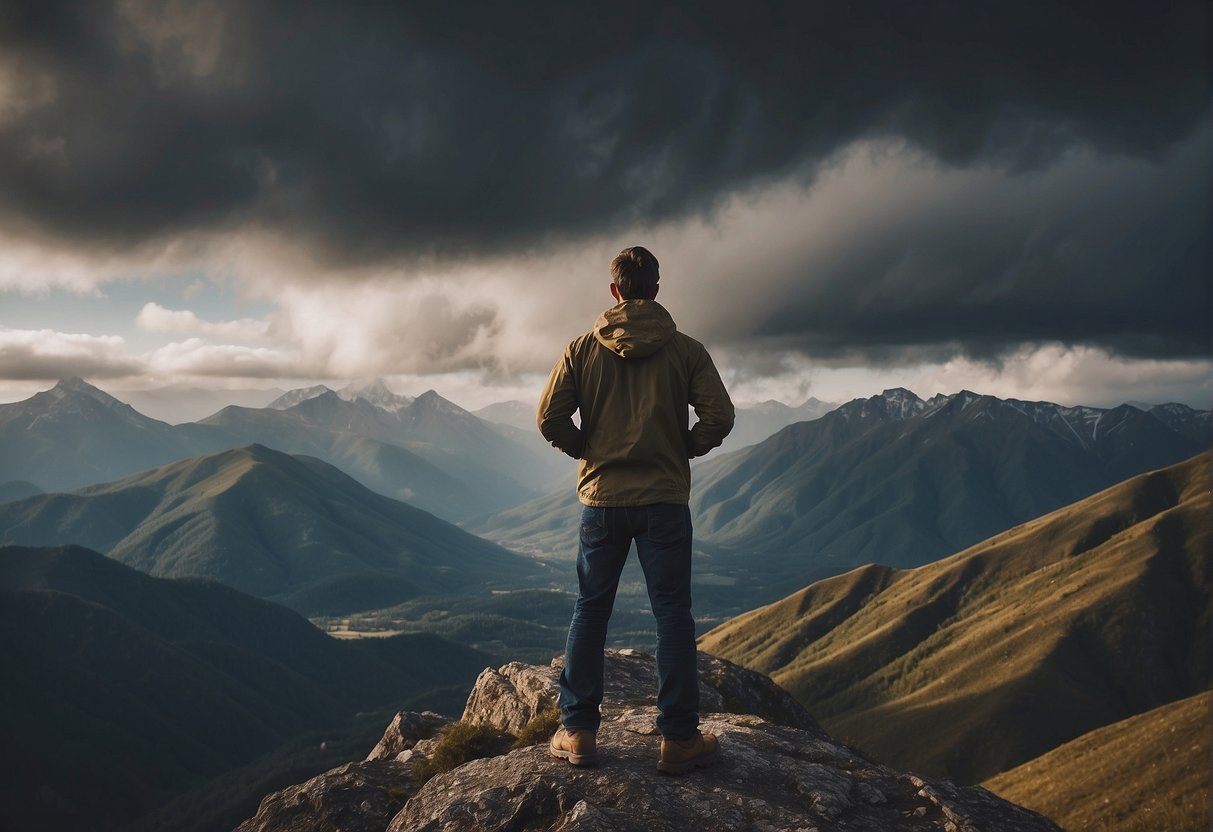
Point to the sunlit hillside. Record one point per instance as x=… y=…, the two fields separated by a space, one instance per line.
x=1163 y=754
x=982 y=661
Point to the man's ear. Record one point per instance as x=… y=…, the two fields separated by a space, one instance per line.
x=615 y=293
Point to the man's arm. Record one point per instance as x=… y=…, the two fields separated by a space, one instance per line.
x=554 y=415
x=713 y=407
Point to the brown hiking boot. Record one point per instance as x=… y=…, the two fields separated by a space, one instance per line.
x=680 y=756
x=578 y=747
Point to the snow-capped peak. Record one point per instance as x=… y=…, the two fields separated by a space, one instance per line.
x=902 y=403
x=293 y=397
x=376 y=392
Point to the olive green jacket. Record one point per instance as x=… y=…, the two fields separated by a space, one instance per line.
x=632 y=379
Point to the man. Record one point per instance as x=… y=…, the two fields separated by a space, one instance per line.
x=632 y=378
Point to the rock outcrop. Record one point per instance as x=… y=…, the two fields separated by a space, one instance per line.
x=404 y=732
x=779 y=771
x=511 y=696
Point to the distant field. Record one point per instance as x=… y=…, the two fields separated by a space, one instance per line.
x=347 y=634
x=524 y=625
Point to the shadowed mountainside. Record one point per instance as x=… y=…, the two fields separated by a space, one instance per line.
x=1076 y=620
x=292 y=529
x=897 y=480
x=122 y=689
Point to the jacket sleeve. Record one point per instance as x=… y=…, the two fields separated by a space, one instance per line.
x=554 y=415
x=713 y=407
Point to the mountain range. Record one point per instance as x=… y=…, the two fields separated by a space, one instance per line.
x=75 y=434
x=426 y=451
x=431 y=454
x=890 y=479
x=293 y=529
x=897 y=480
x=122 y=690
x=373 y=391
x=989 y=658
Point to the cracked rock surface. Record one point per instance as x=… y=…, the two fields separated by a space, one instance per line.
x=778 y=771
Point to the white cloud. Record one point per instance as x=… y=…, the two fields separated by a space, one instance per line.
x=155 y=318
x=1074 y=376
x=27 y=354
x=196 y=357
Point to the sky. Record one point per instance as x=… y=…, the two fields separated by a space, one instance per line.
x=1010 y=198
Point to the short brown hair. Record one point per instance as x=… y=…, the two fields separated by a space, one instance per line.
x=635 y=271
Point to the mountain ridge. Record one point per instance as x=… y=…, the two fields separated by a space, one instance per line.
x=894 y=479
x=122 y=689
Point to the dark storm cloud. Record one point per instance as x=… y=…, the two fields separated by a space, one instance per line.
x=1093 y=252
x=381 y=129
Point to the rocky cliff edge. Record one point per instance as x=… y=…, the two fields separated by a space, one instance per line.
x=779 y=770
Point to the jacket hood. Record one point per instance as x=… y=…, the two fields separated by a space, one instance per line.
x=635 y=328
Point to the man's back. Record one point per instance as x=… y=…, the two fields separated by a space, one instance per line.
x=632 y=378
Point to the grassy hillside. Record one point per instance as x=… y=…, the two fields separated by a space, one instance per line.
x=123 y=690
x=291 y=529
x=1084 y=785
x=974 y=664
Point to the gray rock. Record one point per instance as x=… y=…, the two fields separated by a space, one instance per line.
x=511 y=696
x=771 y=777
x=351 y=798
x=779 y=772
x=406 y=728
x=355 y=796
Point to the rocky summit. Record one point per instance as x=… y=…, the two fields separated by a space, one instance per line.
x=779 y=770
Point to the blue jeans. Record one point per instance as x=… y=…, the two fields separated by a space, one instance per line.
x=663 y=543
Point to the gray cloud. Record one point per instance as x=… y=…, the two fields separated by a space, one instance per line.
x=425 y=128
x=932 y=263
